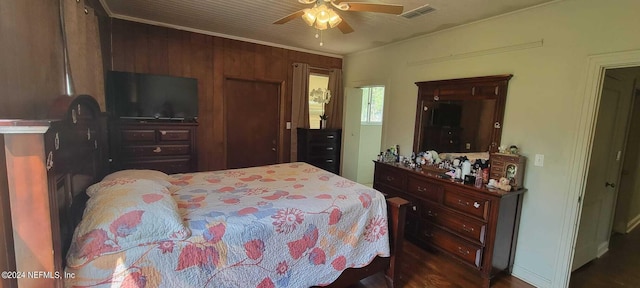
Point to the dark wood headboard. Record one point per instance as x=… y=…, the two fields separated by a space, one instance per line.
x=50 y=163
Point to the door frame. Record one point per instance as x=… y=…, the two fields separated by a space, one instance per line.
x=596 y=66
x=281 y=115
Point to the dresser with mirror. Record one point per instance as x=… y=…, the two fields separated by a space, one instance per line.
x=476 y=226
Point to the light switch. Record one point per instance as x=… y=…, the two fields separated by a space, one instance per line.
x=539 y=161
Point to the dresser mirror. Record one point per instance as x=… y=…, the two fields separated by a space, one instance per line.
x=460 y=115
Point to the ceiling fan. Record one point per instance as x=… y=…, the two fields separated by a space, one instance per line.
x=321 y=16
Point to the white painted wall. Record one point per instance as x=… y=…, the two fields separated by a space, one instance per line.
x=547 y=49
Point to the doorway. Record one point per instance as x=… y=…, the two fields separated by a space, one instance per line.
x=362 y=139
x=252 y=122
x=608 y=167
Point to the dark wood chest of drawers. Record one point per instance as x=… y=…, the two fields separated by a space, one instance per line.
x=477 y=226
x=320 y=147
x=167 y=147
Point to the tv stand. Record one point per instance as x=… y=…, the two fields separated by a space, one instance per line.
x=158 y=120
x=159 y=144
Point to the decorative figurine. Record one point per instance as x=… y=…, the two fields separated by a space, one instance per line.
x=513 y=149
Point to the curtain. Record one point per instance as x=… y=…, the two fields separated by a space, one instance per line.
x=334 y=108
x=85 y=53
x=299 y=104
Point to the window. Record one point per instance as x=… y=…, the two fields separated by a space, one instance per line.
x=315 y=109
x=372 y=104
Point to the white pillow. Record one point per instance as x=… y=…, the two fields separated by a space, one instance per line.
x=122 y=216
x=125 y=176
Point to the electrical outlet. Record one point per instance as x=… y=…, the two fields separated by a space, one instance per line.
x=467 y=145
x=539 y=161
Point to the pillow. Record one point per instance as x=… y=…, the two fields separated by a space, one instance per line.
x=119 y=217
x=161 y=177
x=126 y=176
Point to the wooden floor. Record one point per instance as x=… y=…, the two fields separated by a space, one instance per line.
x=424 y=269
x=617 y=268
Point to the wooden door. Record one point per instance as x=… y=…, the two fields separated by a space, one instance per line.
x=604 y=170
x=252 y=113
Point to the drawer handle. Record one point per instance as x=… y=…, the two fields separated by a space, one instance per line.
x=432 y=214
x=420 y=189
x=157 y=150
x=330 y=136
x=390 y=178
x=476 y=204
x=463 y=203
x=329 y=148
x=329 y=161
x=467 y=229
x=163 y=132
x=463 y=251
x=428 y=234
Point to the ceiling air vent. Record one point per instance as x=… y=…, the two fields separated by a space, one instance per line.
x=418 y=11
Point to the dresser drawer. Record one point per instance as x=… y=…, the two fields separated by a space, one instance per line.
x=467 y=204
x=174 y=135
x=424 y=189
x=156 y=150
x=390 y=177
x=323 y=148
x=472 y=229
x=323 y=136
x=326 y=165
x=463 y=250
x=138 y=135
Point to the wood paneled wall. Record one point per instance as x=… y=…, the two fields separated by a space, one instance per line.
x=31 y=77
x=145 y=48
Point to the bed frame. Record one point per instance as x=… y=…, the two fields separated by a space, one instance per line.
x=50 y=163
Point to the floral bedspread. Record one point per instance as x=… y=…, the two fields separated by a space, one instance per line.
x=285 y=225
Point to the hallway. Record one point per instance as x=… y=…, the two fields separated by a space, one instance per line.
x=617 y=268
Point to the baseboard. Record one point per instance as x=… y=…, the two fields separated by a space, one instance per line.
x=603 y=248
x=530 y=277
x=633 y=223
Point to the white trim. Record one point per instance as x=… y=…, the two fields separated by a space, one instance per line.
x=580 y=158
x=495 y=50
x=633 y=223
x=530 y=277
x=210 y=33
x=602 y=249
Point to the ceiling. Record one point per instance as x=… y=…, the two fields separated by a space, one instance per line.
x=251 y=20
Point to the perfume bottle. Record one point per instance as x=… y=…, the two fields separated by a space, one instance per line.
x=479 y=179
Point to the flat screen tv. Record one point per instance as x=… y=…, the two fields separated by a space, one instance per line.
x=147 y=96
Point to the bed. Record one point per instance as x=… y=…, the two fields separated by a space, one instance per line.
x=284 y=225
x=220 y=223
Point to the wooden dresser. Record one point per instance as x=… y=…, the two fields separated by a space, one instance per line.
x=169 y=147
x=477 y=226
x=320 y=147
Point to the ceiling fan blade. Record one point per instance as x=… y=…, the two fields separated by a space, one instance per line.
x=344 y=27
x=378 y=8
x=289 y=17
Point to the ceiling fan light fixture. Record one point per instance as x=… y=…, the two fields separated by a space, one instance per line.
x=321 y=25
x=323 y=13
x=309 y=16
x=334 y=18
